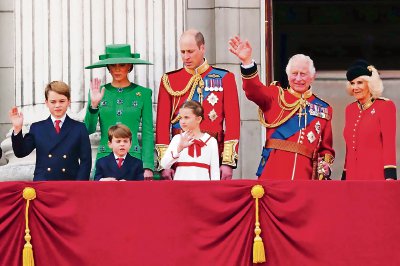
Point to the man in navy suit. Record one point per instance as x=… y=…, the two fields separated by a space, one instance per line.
x=62 y=144
x=119 y=165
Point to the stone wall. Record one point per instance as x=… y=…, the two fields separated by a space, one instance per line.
x=7 y=64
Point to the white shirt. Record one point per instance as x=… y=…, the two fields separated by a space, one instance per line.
x=209 y=156
x=54 y=120
x=117 y=157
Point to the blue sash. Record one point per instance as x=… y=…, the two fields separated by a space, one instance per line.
x=288 y=129
x=212 y=75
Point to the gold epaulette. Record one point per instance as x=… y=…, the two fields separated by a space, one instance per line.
x=229 y=155
x=160 y=149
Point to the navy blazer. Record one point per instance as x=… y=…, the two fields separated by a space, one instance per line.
x=131 y=169
x=63 y=156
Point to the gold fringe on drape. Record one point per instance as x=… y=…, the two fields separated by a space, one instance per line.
x=27 y=254
x=257 y=192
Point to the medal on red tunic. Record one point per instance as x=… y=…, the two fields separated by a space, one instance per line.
x=212 y=99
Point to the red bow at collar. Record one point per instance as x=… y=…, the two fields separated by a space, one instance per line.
x=197 y=145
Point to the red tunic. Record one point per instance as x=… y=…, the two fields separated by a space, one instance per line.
x=221 y=108
x=316 y=136
x=370 y=137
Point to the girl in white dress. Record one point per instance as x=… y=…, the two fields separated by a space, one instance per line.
x=193 y=154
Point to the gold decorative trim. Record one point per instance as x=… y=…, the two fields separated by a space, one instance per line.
x=160 y=149
x=252 y=75
x=305 y=95
x=200 y=70
x=366 y=105
x=258 y=192
x=28 y=194
x=299 y=105
x=390 y=166
x=229 y=155
x=196 y=81
x=328 y=158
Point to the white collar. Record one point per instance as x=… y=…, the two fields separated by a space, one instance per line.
x=116 y=156
x=62 y=119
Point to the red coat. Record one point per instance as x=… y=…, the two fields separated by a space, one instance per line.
x=370 y=137
x=316 y=136
x=220 y=106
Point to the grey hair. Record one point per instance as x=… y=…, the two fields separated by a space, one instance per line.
x=302 y=57
x=375 y=84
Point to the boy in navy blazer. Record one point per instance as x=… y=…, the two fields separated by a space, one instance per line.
x=62 y=144
x=119 y=165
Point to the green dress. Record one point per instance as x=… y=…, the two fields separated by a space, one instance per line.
x=129 y=106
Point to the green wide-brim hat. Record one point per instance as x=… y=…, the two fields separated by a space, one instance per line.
x=118 y=54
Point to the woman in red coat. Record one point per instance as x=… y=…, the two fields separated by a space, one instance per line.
x=370 y=127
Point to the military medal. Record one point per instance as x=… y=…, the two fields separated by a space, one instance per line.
x=212 y=99
x=212 y=83
x=219 y=82
x=311 y=137
x=212 y=115
x=318 y=127
x=207 y=87
x=319 y=111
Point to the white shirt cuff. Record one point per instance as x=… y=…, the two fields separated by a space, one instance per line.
x=249 y=65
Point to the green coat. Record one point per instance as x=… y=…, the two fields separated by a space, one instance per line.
x=129 y=106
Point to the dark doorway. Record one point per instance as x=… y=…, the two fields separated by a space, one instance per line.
x=335 y=33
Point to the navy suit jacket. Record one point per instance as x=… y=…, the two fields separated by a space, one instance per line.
x=63 y=156
x=131 y=169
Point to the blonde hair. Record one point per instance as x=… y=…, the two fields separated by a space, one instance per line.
x=374 y=82
x=58 y=87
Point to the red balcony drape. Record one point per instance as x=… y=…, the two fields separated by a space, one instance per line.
x=202 y=223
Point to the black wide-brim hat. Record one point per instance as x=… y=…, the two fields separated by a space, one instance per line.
x=118 y=54
x=357 y=69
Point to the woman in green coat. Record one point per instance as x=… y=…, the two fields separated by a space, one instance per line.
x=122 y=102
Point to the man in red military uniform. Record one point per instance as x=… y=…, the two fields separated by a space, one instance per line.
x=299 y=131
x=214 y=88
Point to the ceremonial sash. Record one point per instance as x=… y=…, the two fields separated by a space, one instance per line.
x=213 y=78
x=288 y=129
